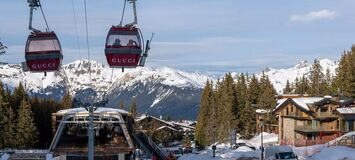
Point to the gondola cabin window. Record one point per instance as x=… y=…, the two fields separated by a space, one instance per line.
x=123 y=40
x=43 y=46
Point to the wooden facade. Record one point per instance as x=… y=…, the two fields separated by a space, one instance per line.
x=310 y=121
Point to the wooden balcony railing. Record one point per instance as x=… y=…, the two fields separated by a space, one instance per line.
x=313 y=129
x=326 y=115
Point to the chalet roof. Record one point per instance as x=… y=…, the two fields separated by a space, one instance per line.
x=281 y=102
x=347 y=102
x=302 y=103
x=167 y=127
x=100 y=110
x=346 y=110
x=184 y=126
x=158 y=119
x=326 y=100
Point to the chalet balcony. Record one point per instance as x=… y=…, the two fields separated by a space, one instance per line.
x=296 y=116
x=326 y=115
x=313 y=129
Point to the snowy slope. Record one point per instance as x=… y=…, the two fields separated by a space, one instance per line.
x=164 y=88
x=278 y=77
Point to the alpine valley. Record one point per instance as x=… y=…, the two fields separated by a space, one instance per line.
x=159 y=91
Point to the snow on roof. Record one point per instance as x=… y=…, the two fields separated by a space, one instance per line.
x=301 y=102
x=280 y=102
x=262 y=111
x=184 y=125
x=98 y=110
x=162 y=127
x=158 y=119
x=304 y=102
x=346 y=110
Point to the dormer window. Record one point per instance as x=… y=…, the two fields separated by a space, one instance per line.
x=324 y=109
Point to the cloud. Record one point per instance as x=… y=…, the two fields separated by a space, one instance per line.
x=313 y=16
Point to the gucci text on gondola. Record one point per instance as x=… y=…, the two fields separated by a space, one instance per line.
x=123 y=60
x=43 y=66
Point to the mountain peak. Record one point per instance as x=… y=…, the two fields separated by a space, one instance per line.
x=302 y=64
x=278 y=77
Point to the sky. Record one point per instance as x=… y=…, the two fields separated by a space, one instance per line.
x=214 y=36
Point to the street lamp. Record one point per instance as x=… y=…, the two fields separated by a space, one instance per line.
x=261 y=138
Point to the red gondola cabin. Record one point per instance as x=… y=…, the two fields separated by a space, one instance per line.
x=43 y=52
x=123 y=47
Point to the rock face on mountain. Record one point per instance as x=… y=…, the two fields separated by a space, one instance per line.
x=162 y=91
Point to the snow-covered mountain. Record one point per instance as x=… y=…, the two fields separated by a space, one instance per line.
x=160 y=91
x=279 y=77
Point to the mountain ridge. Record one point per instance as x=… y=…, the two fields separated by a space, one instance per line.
x=158 y=91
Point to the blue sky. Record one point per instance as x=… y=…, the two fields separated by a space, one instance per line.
x=214 y=36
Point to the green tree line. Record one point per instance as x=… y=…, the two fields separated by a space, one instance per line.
x=230 y=104
x=25 y=122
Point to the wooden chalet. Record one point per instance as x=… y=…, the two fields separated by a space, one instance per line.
x=307 y=121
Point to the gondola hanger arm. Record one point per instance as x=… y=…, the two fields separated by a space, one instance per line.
x=33 y=4
x=133 y=2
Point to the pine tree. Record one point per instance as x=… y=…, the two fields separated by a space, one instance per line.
x=316 y=77
x=267 y=97
x=8 y=127
x=254 y=90
x=226 y=118
x=133 y=108
x=204 y=116
x=26 y=130
x=327 y=82
x=288 y=88
x=243 y=113
x=66 y=101
x=345 y=73
x=18 y=95
x=301 y=85
x=352 y=70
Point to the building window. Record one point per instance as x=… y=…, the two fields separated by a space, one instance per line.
x=324 y=109
x=287 y=111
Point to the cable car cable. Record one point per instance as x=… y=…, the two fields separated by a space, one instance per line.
x=87 y=42
x=44 y=17
x=90 y=130
x=123 y=12
x=76 y=29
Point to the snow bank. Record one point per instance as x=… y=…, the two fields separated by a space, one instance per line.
x=307 y=151
x=334 y=153
x=268 y=138
x=223 y=152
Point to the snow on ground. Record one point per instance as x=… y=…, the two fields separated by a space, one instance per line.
x=335 y=153
x=268 y=138
x=223 y=152
x=317 y=152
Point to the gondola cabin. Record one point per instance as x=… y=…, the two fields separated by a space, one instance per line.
x=123 y=47
x=43 y=52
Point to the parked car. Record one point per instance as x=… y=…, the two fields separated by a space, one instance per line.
x=280 y=153
x=242 y=144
